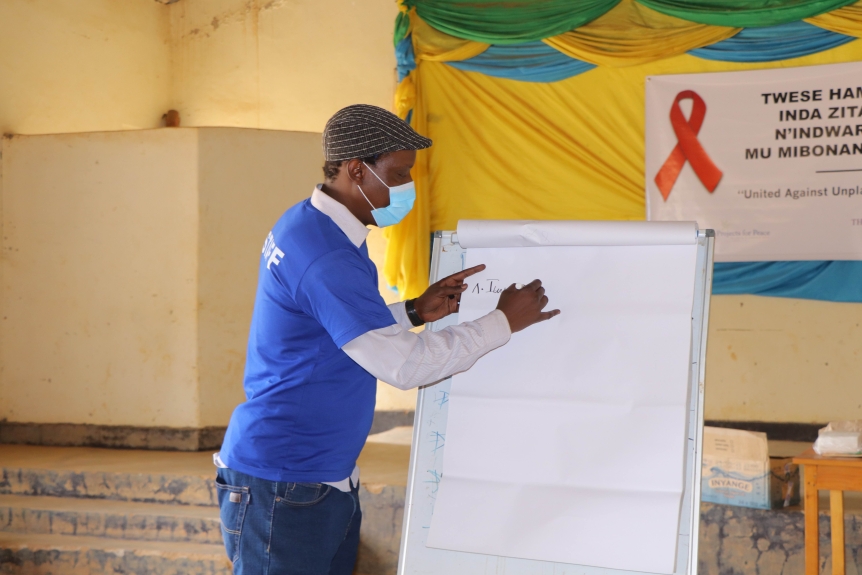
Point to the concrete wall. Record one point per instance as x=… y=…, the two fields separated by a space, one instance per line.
x=83 y=65
x=247 y=179
x=285 y=66
x=289 y=65
x=99 y=278
x=776 y=360
x=96 y=65
x=388 y=398
x=278 y=64
x=91 y=65
x=129 y=269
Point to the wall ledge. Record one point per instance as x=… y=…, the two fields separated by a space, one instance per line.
x=156 y=438
x=781 y=431
x=112 y=436
x=210 y=438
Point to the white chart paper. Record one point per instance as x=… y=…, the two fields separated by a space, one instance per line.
x=567 y=444
x=538 y=233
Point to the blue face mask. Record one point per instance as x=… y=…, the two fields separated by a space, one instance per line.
x=401 y=200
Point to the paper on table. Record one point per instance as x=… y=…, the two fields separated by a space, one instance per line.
x=530 y=233
x=567 y=444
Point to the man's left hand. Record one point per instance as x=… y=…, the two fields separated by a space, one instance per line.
x=442 y=298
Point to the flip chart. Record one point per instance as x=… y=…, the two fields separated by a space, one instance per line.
x=567 y=444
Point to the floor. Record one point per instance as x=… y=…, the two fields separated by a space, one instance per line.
x=380 y=462
x=90 y=505
x=87 y=511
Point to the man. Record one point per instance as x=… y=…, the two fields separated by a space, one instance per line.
x=321 y=336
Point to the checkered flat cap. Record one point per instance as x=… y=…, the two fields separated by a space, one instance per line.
x=363 y=131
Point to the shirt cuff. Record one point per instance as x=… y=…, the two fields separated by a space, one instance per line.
x=496 y=329
x=399 y=313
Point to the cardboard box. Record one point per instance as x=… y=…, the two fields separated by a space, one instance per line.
x=737 y=470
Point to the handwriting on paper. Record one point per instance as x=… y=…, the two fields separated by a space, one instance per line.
x=488 y=286
x=439 y=440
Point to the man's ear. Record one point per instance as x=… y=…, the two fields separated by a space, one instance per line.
x=355 y=170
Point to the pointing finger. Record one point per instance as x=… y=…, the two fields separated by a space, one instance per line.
x=451 y=290
x=546 y=315
x=467 y=273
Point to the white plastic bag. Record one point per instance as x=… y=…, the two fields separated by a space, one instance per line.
x=840 y=438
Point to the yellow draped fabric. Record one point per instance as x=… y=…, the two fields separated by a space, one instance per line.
x=847 y=20
x=433 y=46
x=632 y=34
x=408 y=246
x=504 y=149
x=405 y=97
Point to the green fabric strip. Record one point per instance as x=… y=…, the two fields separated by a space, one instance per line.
x=508 y=21
x=402 y=25
x=744 y=13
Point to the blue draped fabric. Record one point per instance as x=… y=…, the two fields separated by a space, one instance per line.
x=530 y=62
x=405 y=60
x=772 y=43
x=538 y=62
x=839 y=281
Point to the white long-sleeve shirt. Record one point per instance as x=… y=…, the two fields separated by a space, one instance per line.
x=400 y=357
x=406 y=360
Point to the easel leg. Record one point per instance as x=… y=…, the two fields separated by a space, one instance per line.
x=812 y=534
x=836 y=506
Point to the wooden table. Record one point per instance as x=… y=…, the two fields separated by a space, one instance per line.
x=837 y=475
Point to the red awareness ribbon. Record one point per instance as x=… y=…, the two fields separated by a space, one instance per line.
x=687 y=147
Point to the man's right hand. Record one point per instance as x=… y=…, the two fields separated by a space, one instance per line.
x=523 y=307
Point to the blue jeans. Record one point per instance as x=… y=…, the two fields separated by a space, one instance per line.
x=278 y=528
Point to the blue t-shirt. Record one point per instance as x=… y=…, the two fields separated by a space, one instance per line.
x=309 y=406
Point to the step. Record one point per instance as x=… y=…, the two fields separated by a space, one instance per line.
x=122 y=475
x=113 y=519
x=154 y=476
x=28 y=554
x=181 y=480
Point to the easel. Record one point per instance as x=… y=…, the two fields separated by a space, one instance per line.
x=429 y=430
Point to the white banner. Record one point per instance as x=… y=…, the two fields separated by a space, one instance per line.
x=769 y=159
